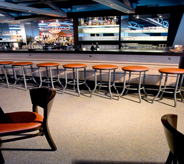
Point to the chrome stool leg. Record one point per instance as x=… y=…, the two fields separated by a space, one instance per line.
x=65 y=80
x=160 y=88
x=129 y=80
x=165 y=85
x=33 y=75
x=78 y=90
x=58 y=77
x=15 y=76
x=51 y=79
x=124 y=85
x=181 y=82
x=139 y=86
x=40 y=77
x=114 y=82
x=95 y=84
x=110 y=84
x=5 y=73
x=74 y=81
x=175 y=90
x=100 y=85
x=144 y=90
x=24 y=77
x=85 y=79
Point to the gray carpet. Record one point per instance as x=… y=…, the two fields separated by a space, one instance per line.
x=94 y=130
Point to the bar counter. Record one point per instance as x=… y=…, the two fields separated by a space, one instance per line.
x=153 y=60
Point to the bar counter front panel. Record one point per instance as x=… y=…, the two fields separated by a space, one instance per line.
x=154 y=61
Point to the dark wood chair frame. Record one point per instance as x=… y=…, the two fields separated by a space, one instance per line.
x=175 y=139
x=40 y=97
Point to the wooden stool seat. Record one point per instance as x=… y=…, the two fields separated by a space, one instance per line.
x=6 y=62
x=17 y=121
x=165 y=88
x=75 y=81
x=49 y=81
x=131 y=69
x=135 y=68
x=171 y=70
x=105 y=67
x=22 y=63
x=75 y=65
x=47 y=64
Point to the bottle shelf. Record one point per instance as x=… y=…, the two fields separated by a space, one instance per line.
x=98 y=26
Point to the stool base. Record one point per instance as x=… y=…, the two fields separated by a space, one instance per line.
x=176 y=89
x=110 y=84
x=128 y=87
x=76 y=82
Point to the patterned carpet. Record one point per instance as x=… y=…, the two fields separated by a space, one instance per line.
x=94 y=130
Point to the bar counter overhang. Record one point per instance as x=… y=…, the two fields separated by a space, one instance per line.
x=153 y=60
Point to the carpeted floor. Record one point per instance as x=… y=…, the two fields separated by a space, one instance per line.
x=94 y=130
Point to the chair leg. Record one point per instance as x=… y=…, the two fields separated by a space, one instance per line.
x=49 y=138
x=170 y=159
x=1 y=156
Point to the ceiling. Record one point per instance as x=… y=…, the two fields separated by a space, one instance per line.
x=18 y=9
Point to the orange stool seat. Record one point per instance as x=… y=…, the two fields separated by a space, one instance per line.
x=75 y=81
x=47 y=80
x=22 y=65
x=4 y=64
x=75 y=65
x=105 y=67
x=47 y=64
x=100 y=84
x=178 y=84
x=135 y=68
x=130 y=69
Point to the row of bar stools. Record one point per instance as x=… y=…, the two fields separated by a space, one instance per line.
x=101 y=68
x=22 y=65
x=75 y=81
x=131 y=69
x=4 y=64
x=48 y=67
x=178 y=84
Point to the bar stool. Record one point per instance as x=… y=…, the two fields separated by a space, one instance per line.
x=4 y=64
x=49 y=66
x=176 y=89
x=101 y=68
x=131 y=69
x=75 y=81
x=22 y=65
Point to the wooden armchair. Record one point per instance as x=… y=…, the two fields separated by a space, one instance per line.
x=175 y=139
x=16 y=123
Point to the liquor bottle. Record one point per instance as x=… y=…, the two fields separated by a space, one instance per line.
x=105 y=22
x=97 y=22
x=90 y=22
x=101 y=21
x=109 y=22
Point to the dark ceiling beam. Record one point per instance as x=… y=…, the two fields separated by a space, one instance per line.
x=6 y=14
x=23 y=8
x=53 y=6
x=115 y=4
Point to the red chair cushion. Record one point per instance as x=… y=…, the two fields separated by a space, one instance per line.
x=18 y=121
